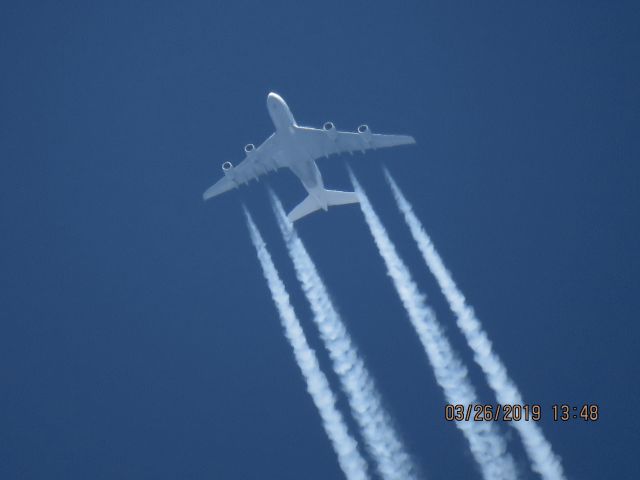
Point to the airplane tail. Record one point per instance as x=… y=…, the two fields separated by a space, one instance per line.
x=310 y=204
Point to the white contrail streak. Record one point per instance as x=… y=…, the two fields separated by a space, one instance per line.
x=381 y=439
x=487 y=445
x=352 y=463
x=539 y=450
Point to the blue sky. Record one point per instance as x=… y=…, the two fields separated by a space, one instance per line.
x=137 y=335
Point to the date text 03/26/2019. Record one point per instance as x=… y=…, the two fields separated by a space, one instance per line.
x=477 y=412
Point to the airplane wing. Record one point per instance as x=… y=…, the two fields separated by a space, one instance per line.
x=258 y=161
x=329 y=141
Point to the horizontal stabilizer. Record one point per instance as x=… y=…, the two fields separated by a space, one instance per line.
x=311 y=204
x=304 y=208
x=336 y=197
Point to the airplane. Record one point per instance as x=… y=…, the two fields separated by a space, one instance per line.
x=297 y=148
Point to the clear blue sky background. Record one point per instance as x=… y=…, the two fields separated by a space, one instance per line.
x=137 y=336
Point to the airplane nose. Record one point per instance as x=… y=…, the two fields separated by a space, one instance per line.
x=274 y=98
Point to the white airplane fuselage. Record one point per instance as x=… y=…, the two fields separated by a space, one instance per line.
x=297 y=148
x=293 y=154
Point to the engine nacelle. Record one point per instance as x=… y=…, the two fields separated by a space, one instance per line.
x=330 y=129
x=227 y=167
x=365 y=134
x=249 y=148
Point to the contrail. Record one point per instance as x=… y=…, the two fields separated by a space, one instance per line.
x=352 y=463
x=539 y=450
x=487 y=446
x=381 y=439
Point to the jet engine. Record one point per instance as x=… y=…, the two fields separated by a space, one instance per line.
x=365 y=135
x=227 y=167
x=249 y=147
x=330 y=130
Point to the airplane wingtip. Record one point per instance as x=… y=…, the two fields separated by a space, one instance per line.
x=207 y=195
